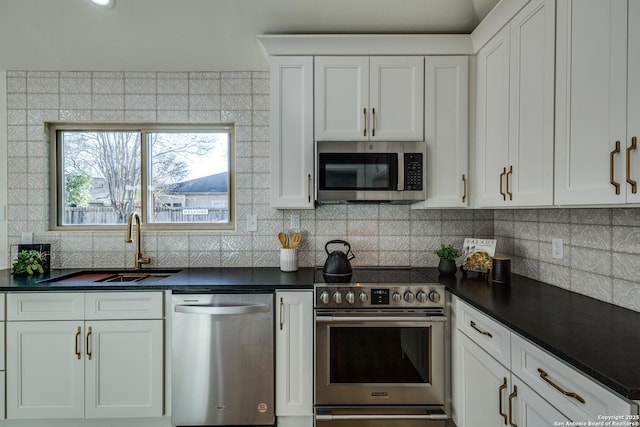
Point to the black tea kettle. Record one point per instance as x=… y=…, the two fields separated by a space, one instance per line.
x=337 y=267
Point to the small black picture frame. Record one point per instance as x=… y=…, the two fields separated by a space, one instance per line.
x=43 y=248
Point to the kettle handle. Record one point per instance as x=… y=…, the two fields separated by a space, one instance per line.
x=350 y=255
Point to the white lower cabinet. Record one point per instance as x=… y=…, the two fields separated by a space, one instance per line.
x=529 y=388
x=84 y=368
x=294 y=358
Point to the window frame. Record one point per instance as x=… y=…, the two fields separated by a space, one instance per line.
x=56 y=172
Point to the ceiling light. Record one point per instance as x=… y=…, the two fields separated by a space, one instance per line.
x=104 y=3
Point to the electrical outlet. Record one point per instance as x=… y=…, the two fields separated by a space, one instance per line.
x=252 y=223
x=26 y=238
x=295 y=222
x=557 y=250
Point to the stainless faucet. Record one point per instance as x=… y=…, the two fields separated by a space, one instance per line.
x=138 y=259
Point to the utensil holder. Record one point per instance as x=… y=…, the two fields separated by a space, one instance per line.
x=501 y=270
x=288 y=260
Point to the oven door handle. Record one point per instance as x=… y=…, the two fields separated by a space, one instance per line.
x=330 y=319
x=380 y=417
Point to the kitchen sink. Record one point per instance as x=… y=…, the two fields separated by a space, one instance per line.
x=115 y=277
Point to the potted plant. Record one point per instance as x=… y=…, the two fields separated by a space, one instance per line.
x=29 y=262
x=448 y=255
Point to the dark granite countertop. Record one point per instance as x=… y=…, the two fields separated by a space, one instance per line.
x=600 y=339
x=232 y=279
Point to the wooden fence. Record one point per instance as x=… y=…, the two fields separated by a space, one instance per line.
x=106 y=215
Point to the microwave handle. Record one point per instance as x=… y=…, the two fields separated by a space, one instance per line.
x=400 y=171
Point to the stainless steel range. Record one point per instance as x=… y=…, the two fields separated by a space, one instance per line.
x=381 y=351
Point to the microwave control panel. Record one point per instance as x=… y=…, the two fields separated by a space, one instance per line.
x=413 y=171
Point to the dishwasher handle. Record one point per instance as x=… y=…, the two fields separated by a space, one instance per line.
x=222 y=310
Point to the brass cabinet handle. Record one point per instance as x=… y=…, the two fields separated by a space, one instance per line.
x=464 y=188
x=309 y=188
x=511 y=396
x=544 y=376
x=365 y=122
x=502 y=193
x=373 y=122
x=612 y=167
x=78 y=353
x=500 y=390
x=509 y=173
x=473 y=325
x=89 y=332
x=281 y=313
x=632 y=147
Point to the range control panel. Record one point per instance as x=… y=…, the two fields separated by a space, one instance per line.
x=423 y=295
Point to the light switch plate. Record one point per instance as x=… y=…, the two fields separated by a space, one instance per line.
x=252 y=223
x=295 y=222
x=557 y=250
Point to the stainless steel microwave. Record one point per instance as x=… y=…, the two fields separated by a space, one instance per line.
x=372 y=172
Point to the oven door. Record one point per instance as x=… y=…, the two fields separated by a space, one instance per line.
x=379 y=358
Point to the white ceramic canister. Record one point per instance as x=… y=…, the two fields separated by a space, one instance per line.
x=288 y=259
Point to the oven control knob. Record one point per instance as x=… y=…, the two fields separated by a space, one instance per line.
x=337 y=297
x=434 y=296
x=363 y=297
x=350 y=297
x=421 y=296
x=324 y=297
x=409 y=296
x=396 y=297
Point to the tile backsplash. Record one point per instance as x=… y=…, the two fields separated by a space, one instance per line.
x=601 y=245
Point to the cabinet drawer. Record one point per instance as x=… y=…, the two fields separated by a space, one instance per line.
x=123 y=305
x=45 y=306
x=484 y=331
x=531 y=363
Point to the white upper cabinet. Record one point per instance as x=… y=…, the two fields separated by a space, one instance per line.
x=515 y=111
x=446 y=131
x=363 y=98
x=292 y=132
x=597 y=102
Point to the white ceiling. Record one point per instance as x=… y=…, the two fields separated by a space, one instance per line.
x=201 y=35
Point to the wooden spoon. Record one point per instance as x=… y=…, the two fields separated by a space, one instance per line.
x=297 y=238
x=284 y=240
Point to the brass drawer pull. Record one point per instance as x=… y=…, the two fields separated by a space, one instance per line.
x=612 y=155
x=365 y=122
x=511 y=396
x=544 y=376
x=502 y=193
x=500 y=390
x=78 y=353
x=281 y=313
x=464 y=188
x=89 y=343
x=509 y=173
x=632 y=147
x=473 y=325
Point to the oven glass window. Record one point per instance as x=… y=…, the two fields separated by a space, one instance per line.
x=359 y=171
x=379 y=355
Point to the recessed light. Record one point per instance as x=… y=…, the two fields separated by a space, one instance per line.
x=104 y=3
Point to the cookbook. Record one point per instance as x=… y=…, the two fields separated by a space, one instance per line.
x=478 y=254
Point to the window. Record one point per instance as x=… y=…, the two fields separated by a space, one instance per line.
x=176 y=176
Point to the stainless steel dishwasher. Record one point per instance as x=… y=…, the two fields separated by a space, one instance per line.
x=222 y=360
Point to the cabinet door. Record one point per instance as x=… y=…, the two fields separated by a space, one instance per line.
x=633 y=91
x=591 y=109
x=342 y=98
x=124 y=369
x=528 y=409
x=292 y=132
x=294 y=354
x=531 y=94
x=493 y=120
x=446 y=136
x=45 y=370
x=481 y=386
x=396 y=98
